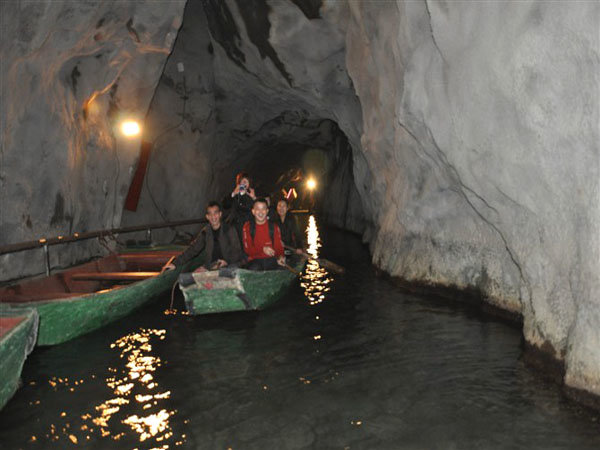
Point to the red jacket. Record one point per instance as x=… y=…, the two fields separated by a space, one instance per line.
x=254 y=248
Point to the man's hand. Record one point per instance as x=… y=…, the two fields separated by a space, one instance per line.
x=200 y=269
x=281 y=260
x=268 y=251
x=221 y=263
x=299 y=251
x=169 y=266
x=251 y=193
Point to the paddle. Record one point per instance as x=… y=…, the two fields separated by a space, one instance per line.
x=291 y=269
x=329 y=265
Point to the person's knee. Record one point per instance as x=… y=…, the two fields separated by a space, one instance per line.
x=255 y=264
x=263 y=264
x=271 y=264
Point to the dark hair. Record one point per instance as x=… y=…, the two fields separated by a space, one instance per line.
x=260 y=200
x=213 y=203
x=283 y=199
x=242 y=175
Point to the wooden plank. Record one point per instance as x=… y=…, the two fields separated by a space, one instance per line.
x=158 y=256
x=113 y=276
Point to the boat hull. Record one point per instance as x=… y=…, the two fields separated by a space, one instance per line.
x=18 y=331
x=67 y=318
x=234 y=290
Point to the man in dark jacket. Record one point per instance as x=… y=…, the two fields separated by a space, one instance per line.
x=220 y=242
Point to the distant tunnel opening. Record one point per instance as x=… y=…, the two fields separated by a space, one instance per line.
x=222 y=106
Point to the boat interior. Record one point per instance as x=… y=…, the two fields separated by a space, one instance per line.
x=101 y=275
x=8 y=323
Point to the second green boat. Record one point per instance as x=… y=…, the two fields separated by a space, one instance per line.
x=92 y=295
x=229 y=290
x=18 y=332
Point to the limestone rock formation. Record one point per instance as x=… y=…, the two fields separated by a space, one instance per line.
x=481 y=123
x=71 y=71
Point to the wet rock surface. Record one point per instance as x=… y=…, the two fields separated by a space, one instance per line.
x=484 y=116
x=71 y=71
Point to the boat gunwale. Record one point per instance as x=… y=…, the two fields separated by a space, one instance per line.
x=80 y=295
x=193 y=293
x=241 y=271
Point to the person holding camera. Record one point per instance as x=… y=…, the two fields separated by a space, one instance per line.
x=241 y=200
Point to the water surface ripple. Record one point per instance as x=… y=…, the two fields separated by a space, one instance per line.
x=343 y=362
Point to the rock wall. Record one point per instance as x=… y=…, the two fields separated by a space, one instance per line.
x=265 y=84
x=481 y=123
x=280 y=72
x=70 y=72
x=181 y=126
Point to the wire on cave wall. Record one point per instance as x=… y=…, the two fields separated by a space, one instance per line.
x=184 y=97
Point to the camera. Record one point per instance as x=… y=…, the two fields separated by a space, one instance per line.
x=242 y=188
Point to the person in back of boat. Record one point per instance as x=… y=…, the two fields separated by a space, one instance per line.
x=272 y=212
x=240 y=201
x=219 y=240
x=262 y=240
x=288 y=227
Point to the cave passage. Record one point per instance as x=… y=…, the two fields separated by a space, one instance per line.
x=454 y=147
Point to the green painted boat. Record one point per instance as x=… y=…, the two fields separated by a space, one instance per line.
x=18 y=332
x=227 y=290
x=87 y=297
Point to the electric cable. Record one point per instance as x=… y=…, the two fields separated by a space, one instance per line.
x=147 y=179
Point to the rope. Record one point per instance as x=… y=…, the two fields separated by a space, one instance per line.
x=173 y=295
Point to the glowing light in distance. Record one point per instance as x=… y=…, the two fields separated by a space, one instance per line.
x=130 y=128
x=311 y=183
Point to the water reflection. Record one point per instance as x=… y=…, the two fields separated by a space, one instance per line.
x=315 y=279
x=134 y=387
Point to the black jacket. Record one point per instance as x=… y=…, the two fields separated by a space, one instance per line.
x=241 y=207
x=289 y=231
x=229 y=242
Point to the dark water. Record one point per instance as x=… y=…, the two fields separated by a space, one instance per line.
x=343 y=362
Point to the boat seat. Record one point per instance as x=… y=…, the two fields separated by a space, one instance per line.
x=113 y=276
x=143 y=256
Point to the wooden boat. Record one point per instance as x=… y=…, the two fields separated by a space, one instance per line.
x=87 y=297
x=228 y=290
x=18 y=332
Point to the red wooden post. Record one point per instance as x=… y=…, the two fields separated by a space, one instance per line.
x=135 y=189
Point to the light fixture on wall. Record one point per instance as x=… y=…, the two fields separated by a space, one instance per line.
x=311 y=183
x=130 y=128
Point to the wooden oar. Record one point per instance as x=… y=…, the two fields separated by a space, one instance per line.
x=291 y=269
x=329 y=265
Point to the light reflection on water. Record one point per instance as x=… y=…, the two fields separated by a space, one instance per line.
x=134 y=385
x=315 y=279
x=368 y=374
